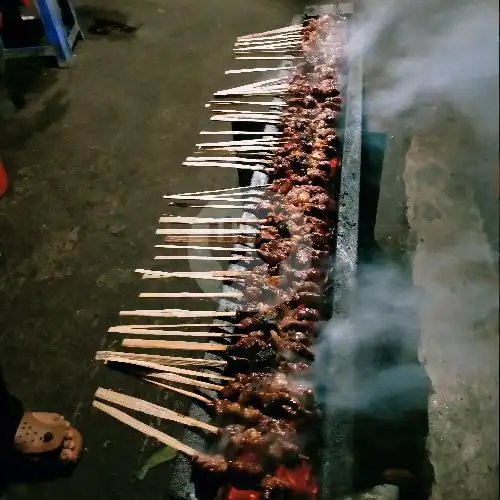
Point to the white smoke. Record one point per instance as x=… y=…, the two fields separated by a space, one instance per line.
x=418 y=56
x=425 y=53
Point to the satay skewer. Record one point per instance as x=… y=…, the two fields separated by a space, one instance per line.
x=240 y=132
x=177 y=313
x=155 y=358
x=172 y=377
x=244 y=147
x=146 y=429
x=210 y=198
x=251 y=90
x=154 y=410
x=265 y=58
x=272 y=104
x=271 y=82
x=257 y=70
x=290 y=39
x=173 y=345
x=210 y=248
x=193 y=295
x=240 y=159
x=179 y=333
x=219 y=324
x=207 y=231
x=250 y=142
x=149 y=330
x=277 y=36
x=292 y=28
x=172 y=388
x=242 y=240
x=209 y=220
x=167 y=368
x=269 y=44
x=209 y=205
x=205 y=258
x=234 y=190
x=239 y=166
x=244 y=119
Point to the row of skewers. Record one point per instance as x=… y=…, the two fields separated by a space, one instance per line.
x=265 y=403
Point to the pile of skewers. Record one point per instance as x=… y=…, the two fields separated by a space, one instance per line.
x=265 y=404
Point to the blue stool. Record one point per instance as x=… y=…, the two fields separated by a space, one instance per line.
x=60 y=36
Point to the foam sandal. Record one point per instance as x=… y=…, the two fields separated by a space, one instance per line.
x=37 y=436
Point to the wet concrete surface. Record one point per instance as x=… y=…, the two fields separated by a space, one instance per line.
x=89 y=159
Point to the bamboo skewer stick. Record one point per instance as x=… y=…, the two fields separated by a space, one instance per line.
x=274 y=91
x=279 y=41
x=178 y=313
x=267 y=58
x=209 y=220
x=248 y=114
x=193 y=295
x=269 y=44
x=190 y=394
x=219 y=324
x=239 y=132
x=151 y=329
x=283 y=38
x=146 y=429
x=179 y=333
x=167 y=368
x=205 y=258
x=250 y=91
x=251 y=142
x=239 y=166
x=217 y=196
x=208 y=278
x=294 y=27
x=173 y=344
x=277 y=36
x=235 y=119
x=151 y=409
x=241 y=159
x=281 y=51
x=242 y=240
x=209 y=198
x=155 y=358
x=271 y=104
x=209 y=205
x=270 y=49
x=207 y=231
x=234 y=190
x=271 y=82
x=245 y=118
x=171 y=377
x=292 y=45
x=210 y=248
x=221 y=113
x=257 y=70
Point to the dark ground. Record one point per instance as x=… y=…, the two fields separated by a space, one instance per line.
x=89 y=159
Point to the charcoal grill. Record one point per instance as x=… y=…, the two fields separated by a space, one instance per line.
x=336 y=477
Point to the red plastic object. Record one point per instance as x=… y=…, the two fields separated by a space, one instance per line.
x=4 y=180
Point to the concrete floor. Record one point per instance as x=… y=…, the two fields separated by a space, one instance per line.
x=89 y=158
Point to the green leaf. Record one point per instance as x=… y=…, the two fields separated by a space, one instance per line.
x=158 y=458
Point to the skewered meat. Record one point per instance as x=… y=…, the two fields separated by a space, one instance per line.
x=286 y=293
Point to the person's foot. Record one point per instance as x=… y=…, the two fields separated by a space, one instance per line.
x=41 y=432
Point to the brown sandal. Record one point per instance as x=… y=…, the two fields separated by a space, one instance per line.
x=36 y=435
